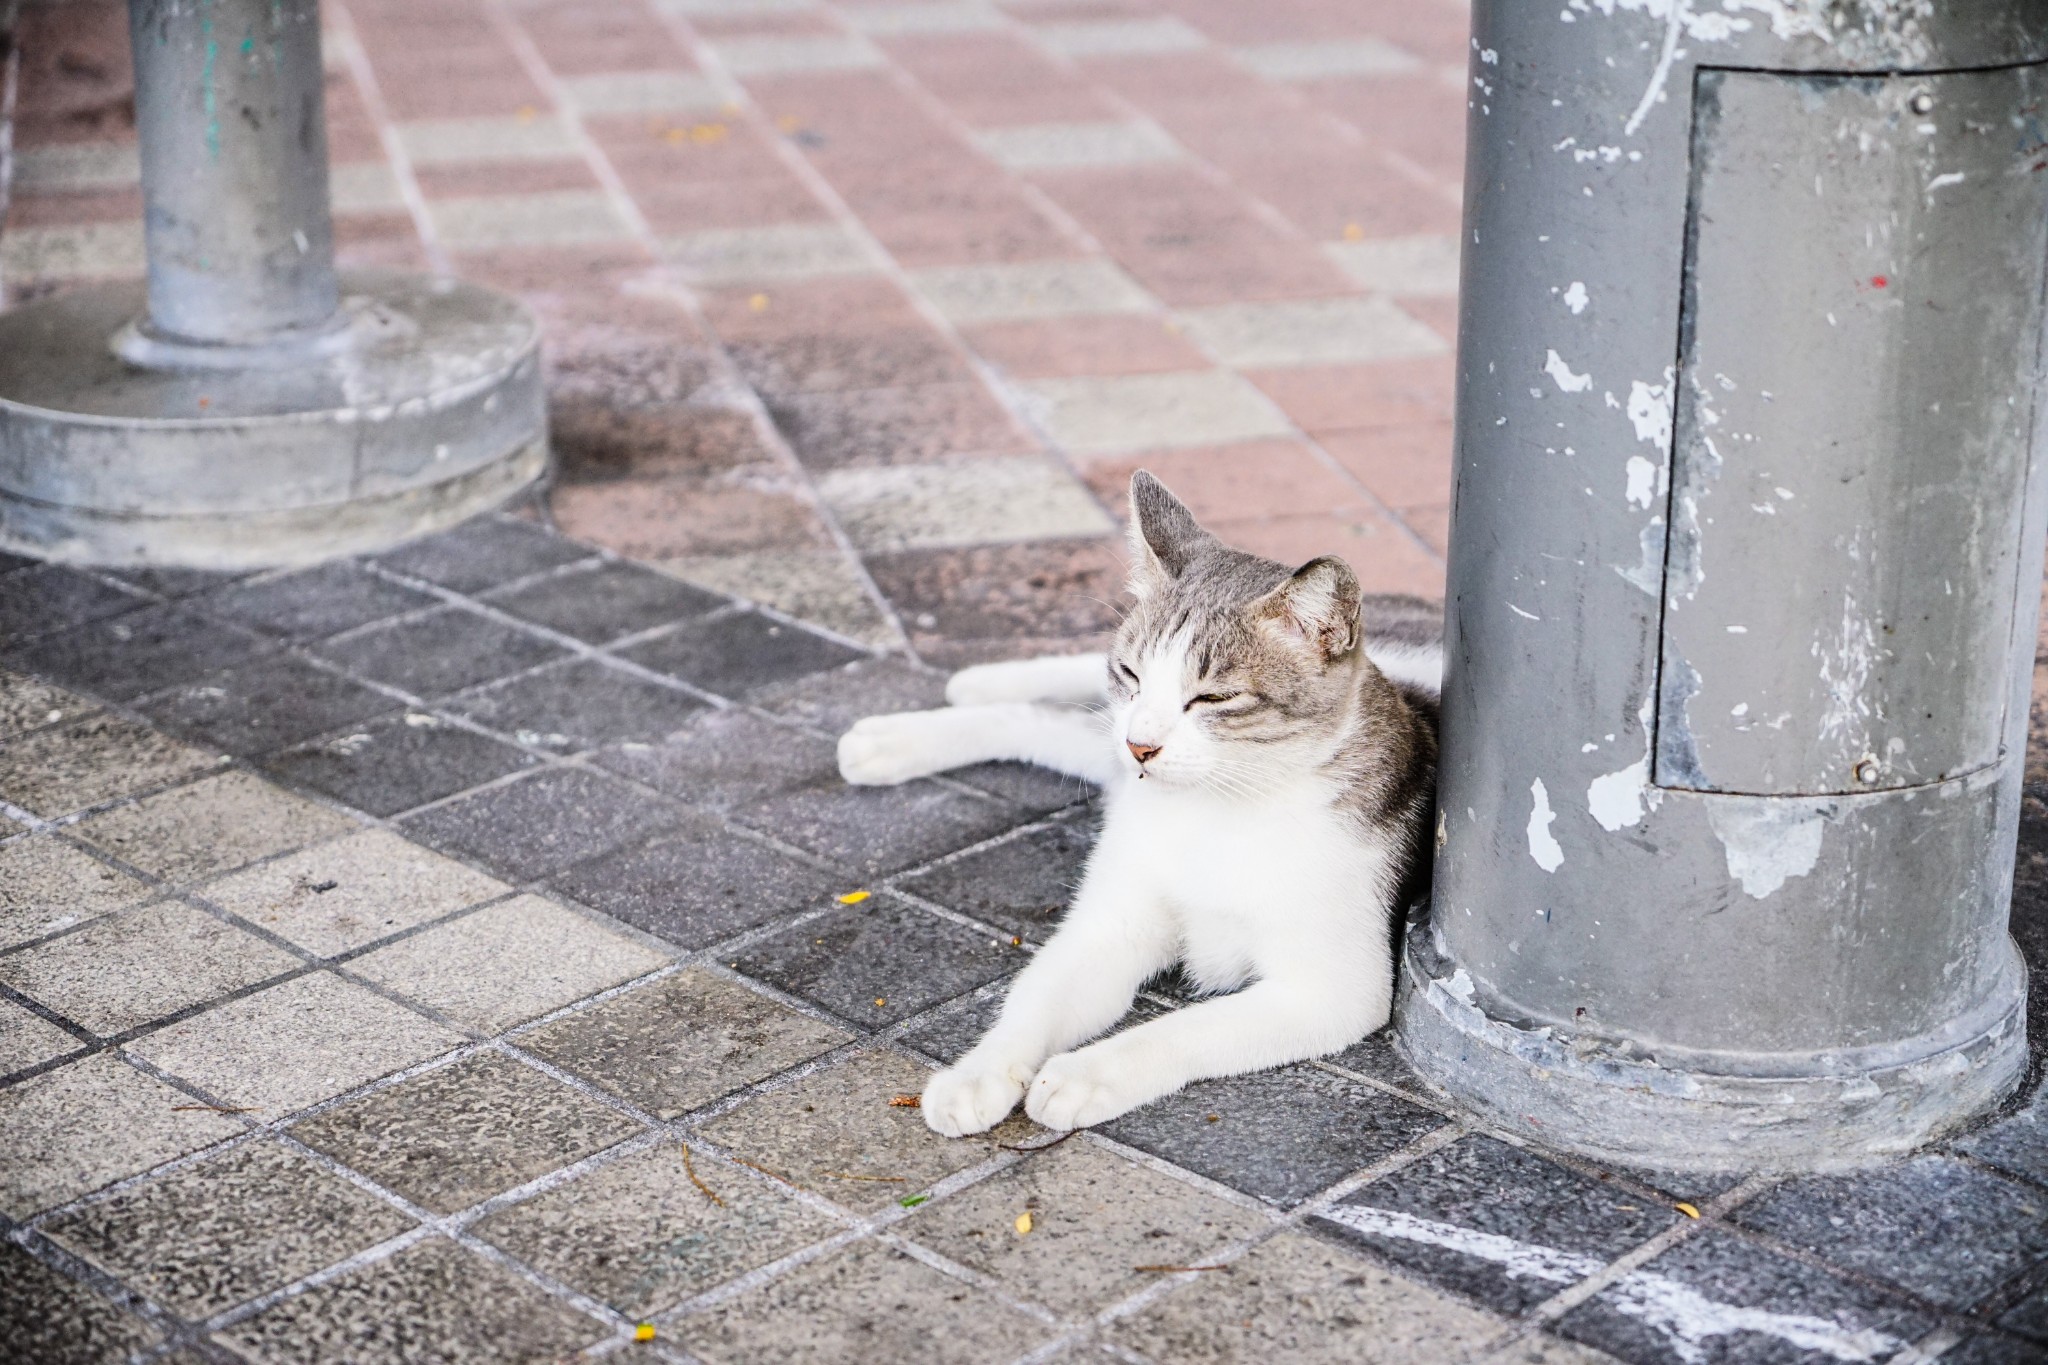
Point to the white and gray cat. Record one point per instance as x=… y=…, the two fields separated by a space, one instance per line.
x=1266 y=740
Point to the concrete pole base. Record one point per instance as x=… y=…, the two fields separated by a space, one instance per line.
x=1676 y=1109
x=423 y=408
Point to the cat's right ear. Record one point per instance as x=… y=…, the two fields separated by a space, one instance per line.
x=1164 y=535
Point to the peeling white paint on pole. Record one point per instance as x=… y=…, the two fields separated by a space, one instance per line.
x=1554 y=366
x=1642 y=481
x=1768 y=840
x=1575 y=297
x=1542 y=846
x=1649 y=412
x=1619 y=799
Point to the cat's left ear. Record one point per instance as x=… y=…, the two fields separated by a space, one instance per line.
x=1319 y=606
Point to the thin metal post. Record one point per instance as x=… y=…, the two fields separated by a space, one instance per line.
x=1743 y=575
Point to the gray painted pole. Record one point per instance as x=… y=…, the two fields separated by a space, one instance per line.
x=1744 y=566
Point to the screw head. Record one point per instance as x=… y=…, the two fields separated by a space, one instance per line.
x=1866 y=771
x=1923 y=103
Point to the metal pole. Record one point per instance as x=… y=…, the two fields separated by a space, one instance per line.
x=1744 y=566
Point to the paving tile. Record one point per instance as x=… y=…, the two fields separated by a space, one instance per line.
x=578 y=704
x=336 y=897
x=1543 y=1349
x=28 y=704
x=1935 y=1225
x=1140 y=412
x=364 y=187
x=871 y=832
x=458 y=1134
x=734 y=654
x=837 y=1123
x=432 y=142
x=726 y=758
x=1077 y=146
x=541 y=823
x=399 y=762
x=311 y=604
x=645 y=92
x=269 y=703
x=1497 y=1191
x=293 y=1045
x=914 y=425
x=50 y=597
x=1310 y=332
x=136 y=652
x=819 y=363
x=47 y=885
x=69 y=1131
x=54 y=1320
x=214 y=1234
x=481 y=554
x=97 y=758
x=948 y=1033
x=833 y=701
x=763 y=255
x=27 y=1039
x=1096 y=1217
x=1325 y=59
x=917 y=20
x=1329 y=400
x=968 y=294
x=433 y=1301
x=1282 y=1135
x=439 y=652
x=1411 y=267
x=866 y=1302
x=1082 y=346
x=735 y=9
x=175 y=582
x=2016 y=1143
x=74 y=167
x=603 y=603
x=507 y=963
x=127 y=969
x=1119 y=37
x=546 y=218
x=1985 y=1349
x=698 y=884
x=214 y=824
x=878 y=961
x=1633 y=1318
x=1299 y=1300
x=83 y=251
x=779 y=56
x=821 y=587
x=988 y=501
x=1374 y=1056
x=1022 y=885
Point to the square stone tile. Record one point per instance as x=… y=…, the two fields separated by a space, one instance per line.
x=645 y=92
x=136 y=652
x=578 y=704
x=215 y=1234
x=1008 y=292
x=127 y=969
x=336 y=897
x=507 y=963
x=1310 y=332
x=312 y=604
x=679 y=1043
x=733 y=654
x=949 y=1032
x=1941 y=1228
x=833 y=701
x=1744 y=1303
x=1307 y=1303
x=174 y=582
x=1023 y=885
x=556 y=218
x=872 y=832
x=77 y=252
x=263 y=705
x=2016 y=1143
x=1077 y=146
x=818 y=586
x=432 y=1301
x=935 y=17
x=979 y=502
x=1478 y=1185
x=638 y=1233
x=1145 y=411
x=97 y=758
x=916 y=424
x=1540 y=1348
x=763 y=255
x=726 y=758
x=482 y=553
x=50 y=597
x=293 y=1045
x=439 y=652
x=837 y=1123
x=1374 y=1056
x=46 y=1316
x=28 y=704
x=697 y=884
x=1119 y=37
x=364 y=187
x=212 y=825
x=399 y=762
x=77 y=167
x=541 y=823
x=878 y=961
x=27 y=1039
x=1412 y=267
x=458 y=1134
x=866 y=1302
x=600 y=604
x=1281 y=1135
x=769 y=55
x=438 y=142
x=47 y=885
x=1096 y=1217
x=1318 y=60
x=67 y=1132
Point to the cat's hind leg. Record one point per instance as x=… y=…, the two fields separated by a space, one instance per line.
x=882 y=751
x=1080 y=679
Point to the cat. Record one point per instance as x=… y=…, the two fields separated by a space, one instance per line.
x=1269 y=776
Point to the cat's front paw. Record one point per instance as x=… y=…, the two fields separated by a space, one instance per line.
x=969 y=1098
x=882 y=751
x=1080 y=1090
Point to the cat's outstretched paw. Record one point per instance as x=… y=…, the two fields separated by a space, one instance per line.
x=1077 y=1090
x=882 y=751
x=969 y=1099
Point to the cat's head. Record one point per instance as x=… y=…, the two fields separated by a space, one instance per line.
x=1231 y=672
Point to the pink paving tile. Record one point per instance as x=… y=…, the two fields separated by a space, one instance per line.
x=684 y=205
x=1440 y=314
x=1056 y=348
x=836 y=307
x=916 y=425
x=351 y=136
x=1404 y=466
x=1013 y=232
x=1432 y=523
x=794 y=24
x=992 y=80
x=597 y=439
x=1420 y=116
x=1437 y=29
x=1353 y=192
x=475 y=83
x=1251 y=479
x=64 y=210
x=674 y=518
x=1272 y=21
x=585 y=40
x=381 y=241
x=507 y=177
x=1324 y=398
x=1003 y=601
x=76 y=83
x=649 y=151
x=1380 y=552
x=540 y=269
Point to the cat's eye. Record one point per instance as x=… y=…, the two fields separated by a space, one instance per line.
x=1123 y=670
x=1211 y=699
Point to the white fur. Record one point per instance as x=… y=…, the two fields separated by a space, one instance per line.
x=1409 y=665
x=1238 y=867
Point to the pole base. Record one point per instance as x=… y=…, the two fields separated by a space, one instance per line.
x=1644 y=1106
x=432 y=412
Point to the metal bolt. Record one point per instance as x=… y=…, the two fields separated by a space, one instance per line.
x=1923 y=103
x=1866 y=771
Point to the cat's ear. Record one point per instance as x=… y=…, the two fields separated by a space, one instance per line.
x=1164 y=534
x=1318 y=605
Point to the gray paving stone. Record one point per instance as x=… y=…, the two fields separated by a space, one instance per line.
x=1480 y=1185
x=173 y=582
x=263 y=705
x=875 y=831
x=726 y=758
x=833 y=701
x=458 y=1134
x=1931 y=1224
x=605 y=602
x=47 y=885
x=439 y=652
x=1986 y=1349
x=679 y=1043
x=27 y=1039
x=30 y=704
x=211 y=1235
x=93 y=759
x=989 y=501
x=2029 y=1315
x=1542 y=1349
x=482 y=553
x=311 y=604
x=140 y=651
x=950 y=1032
x=540 y=823
x=2016 y=1143
x=639 y=1234
x=1282 y=1135
x=51 y=1319
x=1107 y=416
x=733 y=654
x=866 y=1302
x=216 y=823
x=578 y=704
x=1374 y=1056
x=433 y=1301
x=1022 y=885
x=398 y=762
x=878 y=961
x=51 y=597
x=1010 y=291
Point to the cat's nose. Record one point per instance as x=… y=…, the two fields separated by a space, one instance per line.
x=1142 y=752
